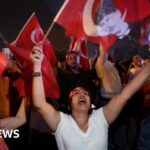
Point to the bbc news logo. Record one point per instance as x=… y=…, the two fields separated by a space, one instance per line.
x=9 y=133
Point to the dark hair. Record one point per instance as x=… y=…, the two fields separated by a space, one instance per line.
x=70 y=100
x=103 y=8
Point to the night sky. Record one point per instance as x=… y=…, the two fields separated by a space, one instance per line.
x=15 y=13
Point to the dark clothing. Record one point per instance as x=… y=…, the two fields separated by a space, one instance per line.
x=144 y=135
x=40 y=134
x=46 y=141
x=35 y=132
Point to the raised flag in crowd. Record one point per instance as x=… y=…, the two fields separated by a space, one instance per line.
x=30 y=35
x=101 y=21
x=80 y=46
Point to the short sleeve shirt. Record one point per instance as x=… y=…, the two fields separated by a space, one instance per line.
x=70 y=137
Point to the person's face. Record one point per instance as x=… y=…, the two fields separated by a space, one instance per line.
x=109 y=22
x=80 y=101
x=137 y=60
x=114 y=24
x=72 y=60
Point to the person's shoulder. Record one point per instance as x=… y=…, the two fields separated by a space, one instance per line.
x=64 y=117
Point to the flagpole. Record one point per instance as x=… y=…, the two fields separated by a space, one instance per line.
x=56 y=17
x=48 y=31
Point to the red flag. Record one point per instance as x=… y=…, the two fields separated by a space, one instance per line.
x=3 y=63
x=84 y=59
x=80 y=46
x=72 y=44
x=50 y=84
x=30 y=35
x=77 y=18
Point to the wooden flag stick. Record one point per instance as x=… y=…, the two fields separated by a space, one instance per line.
x=48 y=32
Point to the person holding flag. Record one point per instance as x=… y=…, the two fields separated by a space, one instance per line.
x=75 y=73
x=30 y=35
x=81 y=129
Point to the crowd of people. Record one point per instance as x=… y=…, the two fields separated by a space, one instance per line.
x=105 y=107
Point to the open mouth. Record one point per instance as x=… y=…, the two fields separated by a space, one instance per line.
x=82 y=101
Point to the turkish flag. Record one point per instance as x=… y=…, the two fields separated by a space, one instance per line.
x=80 y=46
x=84 y=59
x=72 y=43
x=70 y=17
x=49 y=80
x=30 y=35
x=136 y=10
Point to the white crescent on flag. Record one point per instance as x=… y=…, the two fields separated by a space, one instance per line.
x=33 y=34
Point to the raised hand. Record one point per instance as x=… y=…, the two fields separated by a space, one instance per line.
x=37 y=55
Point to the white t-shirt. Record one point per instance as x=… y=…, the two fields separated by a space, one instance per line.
x=69 y=136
